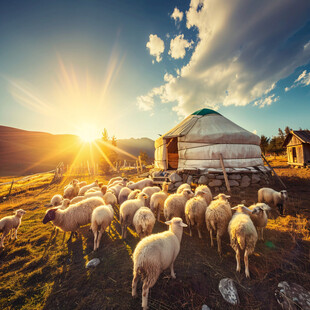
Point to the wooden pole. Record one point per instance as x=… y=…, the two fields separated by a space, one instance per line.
x=225 y=174
x=278 y=178
x=10 y=189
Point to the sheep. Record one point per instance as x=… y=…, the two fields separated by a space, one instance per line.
x=56 y=200
x=218 y=215
x=141 y=184
x=150 y=190
x=207 y=190
x=82 y=183
x=110 y=199
x=77 y=199
x=195 y=209
x=9 y=223
x=99 y=193
x=123 y=194
x=122 y=183
x=85 y=188
x=158 y=200
x=65 y=204
x=182 y=187
x=270 y=196
x=174 y=205
x=154 y=254
x=74 y=181
x=243 y=235
x=101 y=219
x=71 y=191
x=74 y=216
x=115 y=179
x=144 y=221
x=134 y=194
x=93 y=189
x=259 y=218
x=127 y=211
x=115 y=189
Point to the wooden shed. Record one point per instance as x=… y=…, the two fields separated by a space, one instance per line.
x=297 y=145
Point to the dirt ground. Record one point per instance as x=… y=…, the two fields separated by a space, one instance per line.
x=38 y=274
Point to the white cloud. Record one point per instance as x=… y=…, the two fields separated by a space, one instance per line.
x=254 y=131
x=178 y=46
x=244 y=48
x=177 y=14
x=266 y=101
x=302 y=80
x=156 y=46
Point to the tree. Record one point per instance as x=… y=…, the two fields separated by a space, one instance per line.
x=264 y=143
x=144 y=157
x=287 y=130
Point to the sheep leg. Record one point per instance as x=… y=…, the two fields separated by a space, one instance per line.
x=95 y=240
x=16 y=232
x=125 y=232
x=2 y=238
x=63 y=238
x=145 y=295
x=172 y=271
x=190 y=230
x=158 y=214
x=262 y=233
x=12 y=232
x=70 y=238
x=122 y=231
x=199 y=232
x=219 y=244
x=148 y=283
x=246 y=263
x=99 y=237
x=211 y=238
x=134 y=284
x=238 y=260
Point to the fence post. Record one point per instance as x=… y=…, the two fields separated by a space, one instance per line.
x=10 y=189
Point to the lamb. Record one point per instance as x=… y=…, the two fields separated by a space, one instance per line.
x=218 y=215
x=243 y=235
x=158 y=200
x=74 y=216
x=123 y=194
x=127 y=211
x=141 y=184
x=259 y=218
x=110 y=199
x=85 y=188
x=134 y=194
x=150 y=190
x=207 y=190
x=9 y=223
x=195 y=209
x=144 y=221
x=182 y=187
x=154 y=254
x=56 y=200
x=101 y=219
x=72 y=190
x=270 y=196
x=174 y=205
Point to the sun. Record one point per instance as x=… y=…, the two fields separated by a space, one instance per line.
x=88 y=133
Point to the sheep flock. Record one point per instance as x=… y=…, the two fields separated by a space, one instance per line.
x=136 y=206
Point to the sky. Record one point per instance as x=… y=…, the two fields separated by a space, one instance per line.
x=137 y=68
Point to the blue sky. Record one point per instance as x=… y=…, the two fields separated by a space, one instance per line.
x=138 y=67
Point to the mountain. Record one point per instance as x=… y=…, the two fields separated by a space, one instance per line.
x=24 y=152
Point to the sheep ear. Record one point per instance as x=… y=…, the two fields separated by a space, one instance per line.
x=235 y=208
x=265 y=207
x=227 y=196
x=168 y=223
x=183 y=224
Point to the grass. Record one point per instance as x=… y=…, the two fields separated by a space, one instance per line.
x=36 y=273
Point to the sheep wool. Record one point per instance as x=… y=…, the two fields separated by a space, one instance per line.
x=141 y=184
x=272 y=197
x=158 y=200
x=144 y=221
x=85 y=188
x=134 y=194
x=206 y=189
x=56 y=200
x=259 y=217
x=150 y=190
x=182 y=187
x=123 y=194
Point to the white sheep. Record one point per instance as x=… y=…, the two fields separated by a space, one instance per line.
x=56 y=200
x=158 y=199
x=272 y=197
x=141 y=184
x=243 y=235
x=101 y=219
x=182 y=187
x=74 y=216
x=72 y=190
x=110 y=199
x=127 y=211
x=85 y=188
x=115 y=179
x=115 y=189
x=123 y=194
x=64 y=204
x=207 y=190
x=259 y=217
x=93 y=189
x=174 y=205
x=134 y=194
x=218 y=215
x=195 y=209
x=82 y=183
x=144 y=221
x=150 y=190
x=77 y=199
x=154 y=254
x=9 y=223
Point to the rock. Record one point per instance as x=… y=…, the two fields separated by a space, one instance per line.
x=233 y=183
x=213 y=170
x=229 y=291
x=157 y=174
x=234 y=177
x=185 y=176
x=292 y=296
x=174 y=177
x=255 y=178
x=245 y=181
x=211 y=176
x=219 y=177
x=189 y=180
x=171 y=187
x=93 y=263
x=203 y=180
x=177 y=184
x=205 y=307
x=215 y=182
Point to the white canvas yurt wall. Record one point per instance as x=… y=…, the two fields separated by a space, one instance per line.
x=199 y=139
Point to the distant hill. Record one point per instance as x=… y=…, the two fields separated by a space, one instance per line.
x=24 y=152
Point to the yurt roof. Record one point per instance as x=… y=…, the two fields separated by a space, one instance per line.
x=209 y=126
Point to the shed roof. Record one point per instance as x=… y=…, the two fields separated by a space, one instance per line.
x=302 y=135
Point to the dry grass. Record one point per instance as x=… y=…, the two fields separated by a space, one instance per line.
x=38 y=273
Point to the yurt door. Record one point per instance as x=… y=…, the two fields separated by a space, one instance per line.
x=173 y=156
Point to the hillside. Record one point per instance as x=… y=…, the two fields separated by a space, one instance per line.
x=23 y=152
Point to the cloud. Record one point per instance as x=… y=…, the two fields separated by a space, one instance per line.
x=177 y=15
x=156 y=46
x=178 y=46
x=244 y=48
x=302 y=80
x=266 y=101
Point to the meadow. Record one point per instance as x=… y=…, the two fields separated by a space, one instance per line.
x=39 y=273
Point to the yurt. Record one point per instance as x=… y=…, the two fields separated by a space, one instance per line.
x=198 y=141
